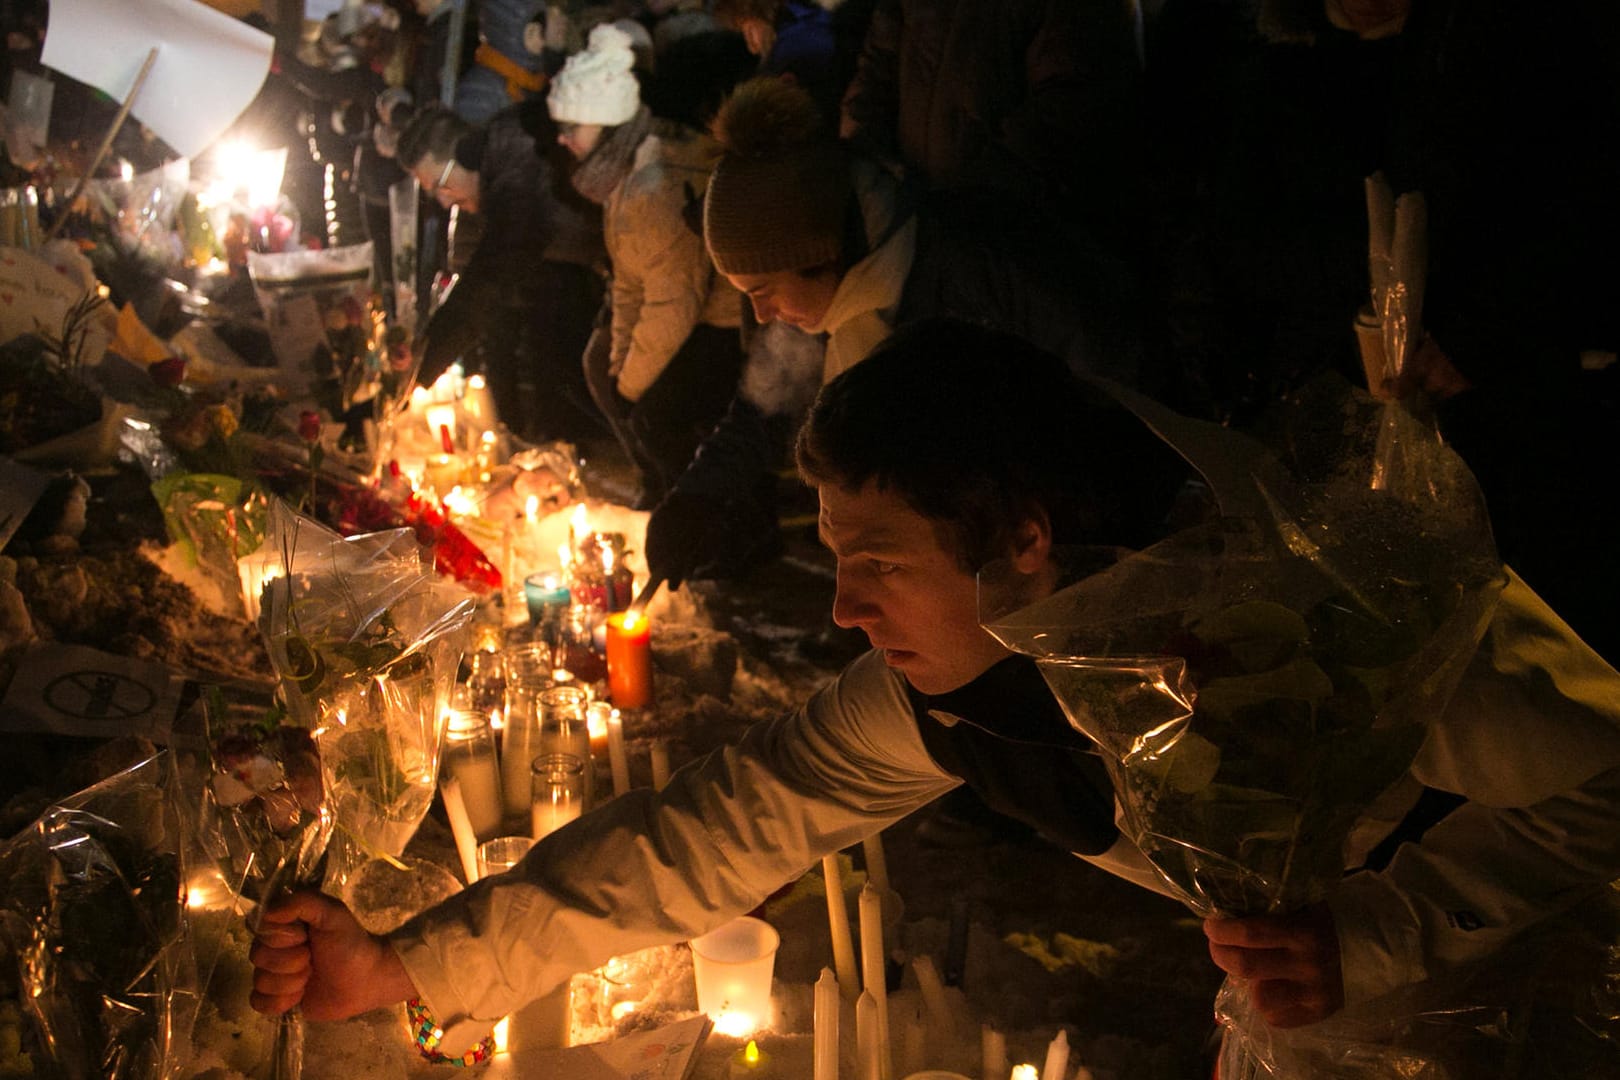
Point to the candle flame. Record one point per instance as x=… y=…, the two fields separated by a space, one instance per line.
x=460 y=502
x=531 y=507
x=738 y=1025
x=751 y=1052
x=503 y=1027
x=565 y=555
x=632 y=619
x=476 y=382
x=1025 y=1072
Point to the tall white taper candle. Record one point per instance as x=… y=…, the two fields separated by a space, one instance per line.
x=843 y=945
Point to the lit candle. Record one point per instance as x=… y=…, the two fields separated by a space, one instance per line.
x=1057 y=1057
x=993 y=1053
x=838 y=918
x=256 y=571
x=547 y=598
x=477 y=405
x=441 y=422
x=1024 y=1072
x=629 y=660
x=868 y=1059
x=616 y=757
x=826 y=1029
x=750 y=1063
x=557 y=793
x=870 y=906
x=660 y=765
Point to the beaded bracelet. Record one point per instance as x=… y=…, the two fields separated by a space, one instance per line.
x=427 y=1033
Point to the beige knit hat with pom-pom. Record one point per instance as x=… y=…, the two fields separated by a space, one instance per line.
x=596 y=86
x=777 y=198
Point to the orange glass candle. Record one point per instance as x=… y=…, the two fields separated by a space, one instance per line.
x=629 y=659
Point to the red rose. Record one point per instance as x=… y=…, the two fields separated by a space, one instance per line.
x=309 y=426
x=169 y=372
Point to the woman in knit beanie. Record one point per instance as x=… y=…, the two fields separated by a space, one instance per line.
x=667 y=365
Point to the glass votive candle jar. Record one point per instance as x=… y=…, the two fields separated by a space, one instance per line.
x=557 y=792
x=565 y=729
x=528 y=675
x=499 y=855
x=469 y=759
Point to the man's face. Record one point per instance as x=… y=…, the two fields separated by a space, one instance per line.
x=788 y=295
x=903 y=589
x=447 y=183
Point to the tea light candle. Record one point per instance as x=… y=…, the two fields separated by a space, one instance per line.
x=629 y=660
x=750 y=1063
x=616 y=756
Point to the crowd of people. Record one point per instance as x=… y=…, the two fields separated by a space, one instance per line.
x=983 y=227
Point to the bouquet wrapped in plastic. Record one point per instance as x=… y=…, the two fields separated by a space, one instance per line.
x=272 y=822
x=1255 y=681
x=91 y=914
x=365 y=639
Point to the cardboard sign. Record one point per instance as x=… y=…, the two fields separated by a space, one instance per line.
x=209 y=65
x=73 y=690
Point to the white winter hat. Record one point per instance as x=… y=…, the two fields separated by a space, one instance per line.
x=596 y=86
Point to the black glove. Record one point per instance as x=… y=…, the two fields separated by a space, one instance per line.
x=683 y=534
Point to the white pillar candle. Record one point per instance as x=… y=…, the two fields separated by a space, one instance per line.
x=1057 y=1057
x=660 y=765
x=868 y=1064
x=546 y=818
x=877 y=867
x=826 y=1031
x=843 y=945
x=993 y=1053
x=941 y=1027
x=872 y=970
x=616 y=758
x=461 y=828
